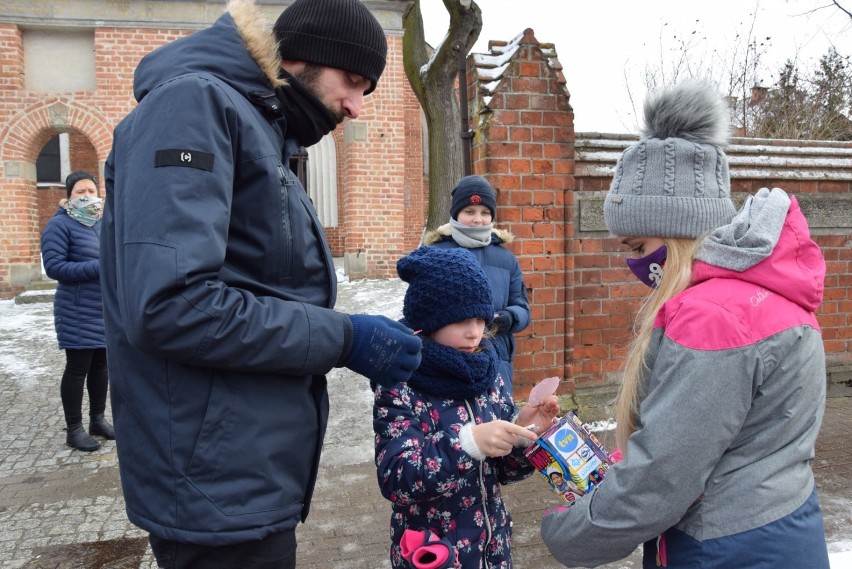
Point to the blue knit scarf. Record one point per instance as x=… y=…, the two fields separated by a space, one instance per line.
x=451 y=374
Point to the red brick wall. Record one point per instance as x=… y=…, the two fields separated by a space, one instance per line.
x=15 y=233
x=11 y=59
x=336 y=240
x=416 y=186
x=83 y=156
x=48 y=201
x=524 y=146
x=379 y=182
x=29 y=119
x=606 y=299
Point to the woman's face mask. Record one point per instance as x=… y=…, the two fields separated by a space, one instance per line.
x=85 y=209
x=649 y=269
x=89 y=203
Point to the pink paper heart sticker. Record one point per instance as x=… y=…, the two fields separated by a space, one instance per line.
x=542 y=390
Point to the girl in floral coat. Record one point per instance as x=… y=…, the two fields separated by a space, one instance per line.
x=451 y=435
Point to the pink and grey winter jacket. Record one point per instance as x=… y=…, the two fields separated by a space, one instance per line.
x=731 y=404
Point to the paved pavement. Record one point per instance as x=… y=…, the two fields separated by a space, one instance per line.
x=63 y=509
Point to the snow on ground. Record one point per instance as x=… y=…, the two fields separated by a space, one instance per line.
x=22 y=327
x=349 y=438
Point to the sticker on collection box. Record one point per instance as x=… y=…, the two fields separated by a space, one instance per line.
x=570 y=457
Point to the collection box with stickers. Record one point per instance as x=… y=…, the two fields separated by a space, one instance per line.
x=570 y=457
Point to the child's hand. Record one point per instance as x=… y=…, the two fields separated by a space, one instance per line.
x=542 y=415
x=497 y=438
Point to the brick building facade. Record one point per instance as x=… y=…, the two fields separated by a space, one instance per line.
x=550 y=180
x=378 y=156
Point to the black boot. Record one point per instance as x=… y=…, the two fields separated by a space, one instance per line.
x=99 y=426
x=79 y=439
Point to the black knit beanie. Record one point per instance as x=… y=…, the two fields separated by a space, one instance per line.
x=473 y=190
x=335 y=33
x=75 y=177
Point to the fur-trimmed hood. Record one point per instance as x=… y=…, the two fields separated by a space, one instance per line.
x=258 y=38
x=239 y=48
x=446 y=232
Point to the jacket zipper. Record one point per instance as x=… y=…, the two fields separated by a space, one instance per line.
x=286 y=235
x=484 y=494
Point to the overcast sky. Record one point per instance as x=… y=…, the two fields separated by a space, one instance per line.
x=603 y=44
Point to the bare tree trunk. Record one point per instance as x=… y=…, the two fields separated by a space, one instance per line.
x=434 y=83
x=445 y=153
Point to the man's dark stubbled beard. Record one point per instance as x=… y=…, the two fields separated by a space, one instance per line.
x=309 y=78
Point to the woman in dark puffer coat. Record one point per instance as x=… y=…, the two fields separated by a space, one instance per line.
x=70 y=248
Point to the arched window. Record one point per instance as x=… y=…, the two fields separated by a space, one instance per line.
x=53 y=162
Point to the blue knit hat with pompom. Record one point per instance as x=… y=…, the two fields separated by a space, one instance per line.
x=444 y=286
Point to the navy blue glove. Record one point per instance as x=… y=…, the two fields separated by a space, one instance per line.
x=383 y=350
x=504 y=320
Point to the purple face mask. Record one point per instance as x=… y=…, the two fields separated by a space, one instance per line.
x=649 y=268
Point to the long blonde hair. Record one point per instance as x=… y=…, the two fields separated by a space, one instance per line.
x=677 y=277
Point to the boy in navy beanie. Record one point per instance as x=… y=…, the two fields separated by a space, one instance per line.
x=471 y=226
x=452 y=421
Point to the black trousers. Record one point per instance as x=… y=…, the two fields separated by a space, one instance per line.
x=278 y=551
x=84 y=368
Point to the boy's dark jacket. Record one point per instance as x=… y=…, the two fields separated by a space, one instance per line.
x=218 y=290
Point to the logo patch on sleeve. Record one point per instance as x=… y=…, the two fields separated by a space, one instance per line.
x=184 y=158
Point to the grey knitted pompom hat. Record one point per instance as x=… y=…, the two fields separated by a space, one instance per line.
x=674 y=182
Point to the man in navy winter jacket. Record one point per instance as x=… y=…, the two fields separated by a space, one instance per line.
x=219 y=285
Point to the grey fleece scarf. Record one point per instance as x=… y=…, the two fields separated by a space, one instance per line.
x=751 y=235
x=471 y=237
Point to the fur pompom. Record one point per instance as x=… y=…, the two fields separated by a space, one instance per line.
x=692 y=110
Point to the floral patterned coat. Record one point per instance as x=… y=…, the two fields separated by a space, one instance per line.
x=433 y=483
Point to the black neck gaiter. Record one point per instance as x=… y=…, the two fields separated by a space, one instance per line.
x=308 y=120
